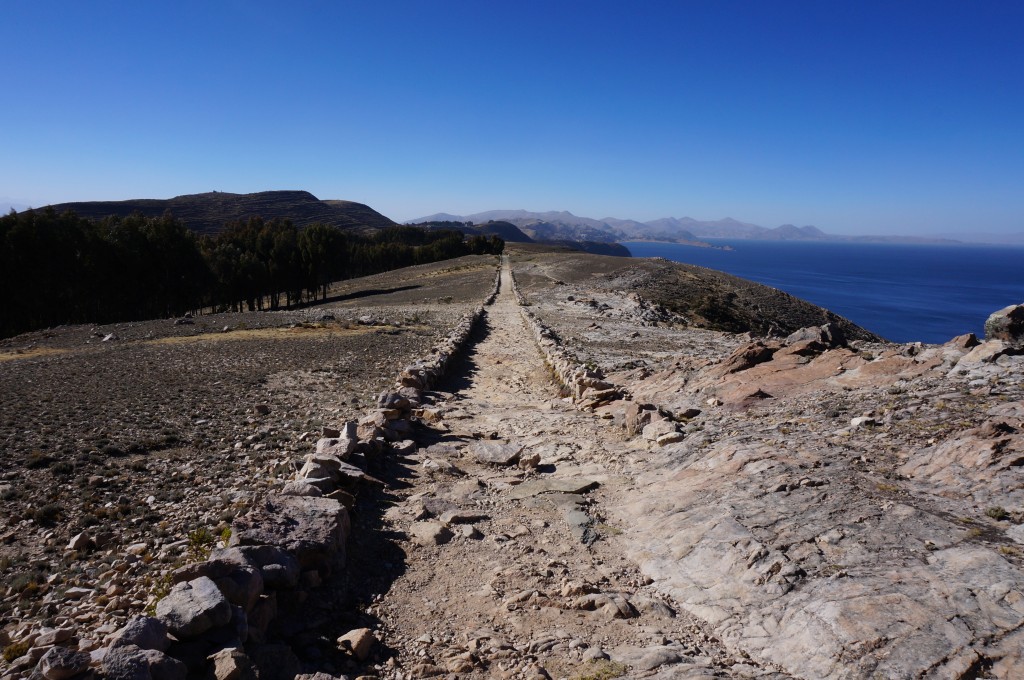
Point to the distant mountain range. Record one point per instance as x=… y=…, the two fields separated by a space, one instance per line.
x=208 y=213
x=564 y=225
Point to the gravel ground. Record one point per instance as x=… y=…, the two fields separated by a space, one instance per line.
x=150 y=436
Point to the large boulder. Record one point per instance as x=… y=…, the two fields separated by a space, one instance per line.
x=279 y=568
x=828 y=336
x=1007 y=325
x=132 y=663
x=237 y=578
x=193 y=607
x=61 y=663
x=313 y=529
x=144 y=632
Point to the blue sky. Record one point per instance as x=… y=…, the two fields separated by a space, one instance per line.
x=860 y=117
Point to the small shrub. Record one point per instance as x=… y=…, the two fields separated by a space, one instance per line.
x=46 y=515
x=15 y=650
x=997 y=512
x=603 y=670
x=200 y=543
x=112 y=451
x=37 y=459
x=161 y=587
x=62 y=468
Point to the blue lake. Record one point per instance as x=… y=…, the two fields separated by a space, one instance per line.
x=905 y=293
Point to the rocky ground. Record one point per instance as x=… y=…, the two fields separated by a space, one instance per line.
x=697 y=504
x=129 y=448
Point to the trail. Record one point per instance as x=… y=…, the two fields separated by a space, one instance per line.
x=511 y=570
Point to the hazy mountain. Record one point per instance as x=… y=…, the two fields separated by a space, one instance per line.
x=209 y=212
x=438 y=217
x=563 y=225
x=789 y=232
x=1007 y=239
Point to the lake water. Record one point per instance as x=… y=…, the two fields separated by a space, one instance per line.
x=905 y=293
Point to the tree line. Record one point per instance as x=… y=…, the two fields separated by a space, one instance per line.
x=62 y=268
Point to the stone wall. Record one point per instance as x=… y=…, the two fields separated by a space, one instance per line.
x=233 y=615
x=586 y=386
x=590 y=390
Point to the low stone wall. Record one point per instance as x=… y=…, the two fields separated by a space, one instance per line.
x=586 y=386
x=589 y=390
x=228 y=617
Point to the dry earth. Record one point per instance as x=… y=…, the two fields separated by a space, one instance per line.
x=736 y=507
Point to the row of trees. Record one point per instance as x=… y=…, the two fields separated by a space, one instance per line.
x=61 y=268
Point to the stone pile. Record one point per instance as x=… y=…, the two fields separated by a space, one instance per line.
x=223 y=617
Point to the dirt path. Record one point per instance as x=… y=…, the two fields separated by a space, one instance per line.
x=508 y=568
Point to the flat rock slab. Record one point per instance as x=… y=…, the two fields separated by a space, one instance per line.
x=495 y=453
x=535 y=487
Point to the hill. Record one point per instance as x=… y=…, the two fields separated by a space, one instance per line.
x=208 y=213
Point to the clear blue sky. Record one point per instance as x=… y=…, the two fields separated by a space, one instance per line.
x=865 y=117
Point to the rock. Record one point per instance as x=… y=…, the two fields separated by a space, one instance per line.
x=530 y=461
x=430 y=532
x=237 y=578
x=828 y=336
x=60 y=663
x=279 y=568
x=748 y=356
x=52 y=636
x=232 y=664
x=1007 y=325
x=132 y=663
x=637 y=415
x=963 y=342
x=193 y=607
x=393 y=400
x=658 y=656
x=306 y=487
x=80 y=541
x=314 y=530
x=495 y=453
x=670 y=438
x=342 y=445
x=144 y=632
x=359 y=643
x=659 y=428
